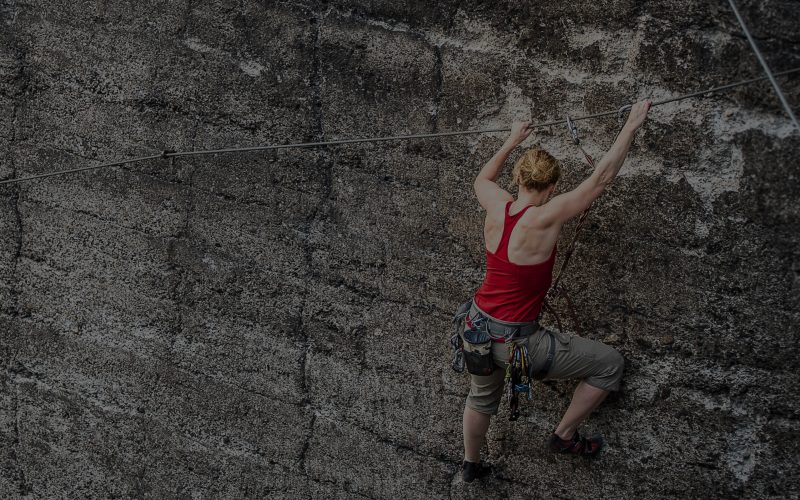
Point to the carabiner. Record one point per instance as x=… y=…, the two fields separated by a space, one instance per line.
x=573 y=130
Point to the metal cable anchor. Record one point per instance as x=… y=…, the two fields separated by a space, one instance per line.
x=573 y=130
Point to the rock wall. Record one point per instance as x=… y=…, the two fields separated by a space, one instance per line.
x=275 y=324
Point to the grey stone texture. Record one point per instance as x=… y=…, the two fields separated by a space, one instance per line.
x=275 y=324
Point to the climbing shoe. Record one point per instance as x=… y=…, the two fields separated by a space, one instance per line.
x=471 y=471
x=578 y=445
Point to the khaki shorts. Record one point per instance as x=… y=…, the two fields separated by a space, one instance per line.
x=596 y=363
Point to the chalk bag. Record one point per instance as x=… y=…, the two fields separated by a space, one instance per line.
x=478 y=351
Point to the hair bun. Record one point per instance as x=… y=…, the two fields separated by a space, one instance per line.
x=536 y=169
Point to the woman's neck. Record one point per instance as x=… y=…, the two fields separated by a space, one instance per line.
x=535 y=198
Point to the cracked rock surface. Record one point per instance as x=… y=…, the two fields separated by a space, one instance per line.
x=275 y=324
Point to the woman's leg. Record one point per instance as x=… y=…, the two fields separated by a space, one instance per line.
x=482 y=402
x=589 y=360
x=476 y=424
x=585 y=399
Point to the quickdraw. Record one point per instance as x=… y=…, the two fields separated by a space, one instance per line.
x=518 y=379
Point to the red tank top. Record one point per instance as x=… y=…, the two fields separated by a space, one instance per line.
x=513 y=292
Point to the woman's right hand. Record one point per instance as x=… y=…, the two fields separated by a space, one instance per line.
x=519 y=132
x=638 y=114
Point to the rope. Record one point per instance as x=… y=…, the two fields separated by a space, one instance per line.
x=584 y=215
x=764 y=65
x=171 y=154
x=557 y=289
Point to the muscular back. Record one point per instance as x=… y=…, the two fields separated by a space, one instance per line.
x=531 y=240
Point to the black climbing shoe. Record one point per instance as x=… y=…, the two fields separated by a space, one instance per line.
x=578 y=445
x=471 y=471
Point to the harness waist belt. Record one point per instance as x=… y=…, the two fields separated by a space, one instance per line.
x=501 y=331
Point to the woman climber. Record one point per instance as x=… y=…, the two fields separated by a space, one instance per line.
x=521 y=238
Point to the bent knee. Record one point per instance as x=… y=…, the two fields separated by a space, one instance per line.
x=613 y=364
x=616 y=360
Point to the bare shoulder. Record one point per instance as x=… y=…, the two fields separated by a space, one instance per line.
x=496 y=208
x=491 y=196
x=555 y=211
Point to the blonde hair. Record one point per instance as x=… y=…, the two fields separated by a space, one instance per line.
x=536 y=169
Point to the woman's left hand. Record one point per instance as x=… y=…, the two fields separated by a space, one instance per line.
x=519 y=132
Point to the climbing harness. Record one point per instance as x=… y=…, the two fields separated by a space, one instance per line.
x=472 y=337
x=472 y=340
x=272 y=147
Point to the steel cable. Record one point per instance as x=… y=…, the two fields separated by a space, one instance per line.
x=336 y=142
